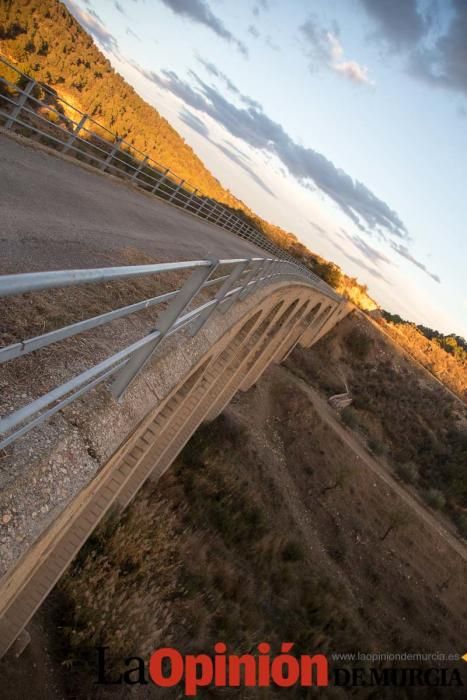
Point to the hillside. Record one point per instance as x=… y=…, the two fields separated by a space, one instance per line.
x=445 y=356
x=44 y=40
x=404 y=415
x=273 y=524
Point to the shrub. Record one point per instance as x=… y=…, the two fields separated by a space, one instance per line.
x=292 y=551
x=434 y=498
x=461 y=523
x=51 y=116
x=408 y=472
x=338 y=551
x=376 y=446
x=358 y=343
x=349 y=417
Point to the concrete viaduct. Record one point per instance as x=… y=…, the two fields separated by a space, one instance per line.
x=118 y=445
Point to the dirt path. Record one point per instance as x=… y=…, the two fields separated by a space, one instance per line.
x=328 y=415
x=270 y=446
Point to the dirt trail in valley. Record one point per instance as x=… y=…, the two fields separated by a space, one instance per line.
x=329 y=415
x=270 y=446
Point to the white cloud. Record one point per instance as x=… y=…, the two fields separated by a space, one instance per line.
x=93 y=24
x=353 y=71
x=349 y=69
x=325 y=49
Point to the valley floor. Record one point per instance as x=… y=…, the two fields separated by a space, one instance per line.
x=275 y=523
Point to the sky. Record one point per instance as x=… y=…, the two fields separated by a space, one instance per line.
x=342 y=121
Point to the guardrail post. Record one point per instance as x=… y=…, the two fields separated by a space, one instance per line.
x=211 y=210
x=214 y=212
x=190 y=199
x=228 y=222
x=139 y=169
x=262 y=275
x=177 y=189
x=20 y=104
x=164 y=323
x=267 y=272
x=216 y=221
x=114 y=150
x=160 y=181
x=256 y=268
x=275 y=270
x=74 y=134
x=235 y=275
x=206 y=204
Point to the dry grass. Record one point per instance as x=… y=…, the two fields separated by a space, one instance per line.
x=225 y=548
x=397 y=408
x=447 y=368
x=213 y=554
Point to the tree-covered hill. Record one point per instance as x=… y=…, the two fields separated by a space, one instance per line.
x=44 y=40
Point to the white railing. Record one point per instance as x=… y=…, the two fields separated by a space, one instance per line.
x=34 y=109
x=183 y=308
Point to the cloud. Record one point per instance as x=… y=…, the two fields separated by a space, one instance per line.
x=438 y=58
x=399 y=22
x=306 y=165
x=261 y=6
x=324 y=49
x=199 y=11
x=253 y=31
x=353 y=71
x=255 y=128
x=444 y=64
x=320 y=229
x=92 y=23
x=272 y=45
x=217 y=73
x=405 y=253
x=194 y=122
x=363 y=265
x=240 y=153
x=239 y=161
x=130 y=32
x=239 y=158
x=376 y=256
x=319 y=45
x=372 y=254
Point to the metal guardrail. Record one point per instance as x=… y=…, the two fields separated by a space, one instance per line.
x=71 y=131
x=30 y=107
x=239 y=278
